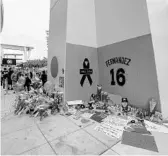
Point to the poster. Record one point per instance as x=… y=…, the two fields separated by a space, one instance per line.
x=87 y=115
x=7 y=61
x=117 y=121
x=61 y=82
x=112 y=126
x=98 y=116
x=110 y=130
x=154 y=127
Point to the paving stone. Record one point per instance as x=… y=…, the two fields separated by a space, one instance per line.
x=7 y=115
x=140 y=140
x=42 y=150
x=16 y=123
x=139 y=143
x=123 y=149
x=161 y=140
x=81 y=122
x=108 y=141
x=56 y=126
x=7 y=102
x=21 y=141
x=109 y=152
x=78 y=143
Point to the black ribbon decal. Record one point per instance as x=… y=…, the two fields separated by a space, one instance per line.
x=86 y=72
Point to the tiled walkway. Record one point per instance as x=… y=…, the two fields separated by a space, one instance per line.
x=60 y=135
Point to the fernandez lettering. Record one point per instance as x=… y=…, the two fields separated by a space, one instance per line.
x=119 y=60
x=86 y=72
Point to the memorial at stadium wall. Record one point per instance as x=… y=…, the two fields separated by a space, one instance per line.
x=103 y=42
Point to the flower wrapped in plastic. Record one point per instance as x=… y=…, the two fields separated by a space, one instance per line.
x=54 y=107
x=49 y=87
x=19 y=87
x=41 y=110
x=37 y=104
x=20 y=106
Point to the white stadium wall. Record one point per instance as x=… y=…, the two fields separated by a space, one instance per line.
x=109 y=35
x=81 y=24
x=119 y=20
x=158 y=17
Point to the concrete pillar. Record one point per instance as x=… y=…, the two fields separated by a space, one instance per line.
x=29 y=53
x=57 y=40
x=25 y=54
x=158 y=15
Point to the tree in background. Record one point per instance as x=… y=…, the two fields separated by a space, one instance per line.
x=34 y=63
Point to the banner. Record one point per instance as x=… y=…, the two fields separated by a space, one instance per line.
x=7 y=61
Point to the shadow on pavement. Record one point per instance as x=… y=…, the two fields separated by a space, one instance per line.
x=140 y=139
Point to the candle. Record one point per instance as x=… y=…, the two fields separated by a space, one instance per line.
x=152 y=105
x=106 y=97
x=99 y=90
x=102 y=96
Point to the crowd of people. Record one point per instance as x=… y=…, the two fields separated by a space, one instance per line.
x=21 y=78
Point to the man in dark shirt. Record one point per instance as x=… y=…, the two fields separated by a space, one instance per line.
x=44 y=78
x=31 y=75
x=10 y=72
x=27 y=83
x=14 y=80
x=4 y=76
x=1 y=77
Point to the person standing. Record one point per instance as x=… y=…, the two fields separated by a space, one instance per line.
x=44 y=78
x=14 y=80
x=10 y=72
x=20 y=83
x=18 y=74
x=33 y=74
x=27 y=83
x=2 y=73
x=5 y=77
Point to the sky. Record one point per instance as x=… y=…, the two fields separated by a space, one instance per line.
x=25 y=23
x=158 y=17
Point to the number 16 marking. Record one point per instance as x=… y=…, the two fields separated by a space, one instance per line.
x=120 y=77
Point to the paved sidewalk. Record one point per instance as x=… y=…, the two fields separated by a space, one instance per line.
x=6 y=102
x=60 y=135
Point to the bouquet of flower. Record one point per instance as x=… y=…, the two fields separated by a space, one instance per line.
x=37 y=104
x=49 y=87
